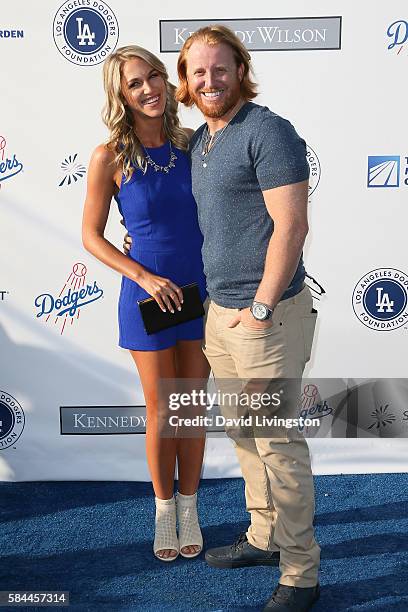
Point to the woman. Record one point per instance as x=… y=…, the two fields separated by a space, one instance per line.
x=145 y=167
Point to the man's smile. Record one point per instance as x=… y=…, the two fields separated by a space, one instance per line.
x=212 y=95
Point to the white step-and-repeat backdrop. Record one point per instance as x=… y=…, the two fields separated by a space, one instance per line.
x=338 y=71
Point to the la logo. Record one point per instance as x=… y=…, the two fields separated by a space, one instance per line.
x=84 y=33
x=383 y=301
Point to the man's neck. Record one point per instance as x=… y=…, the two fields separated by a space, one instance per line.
x=215 y=124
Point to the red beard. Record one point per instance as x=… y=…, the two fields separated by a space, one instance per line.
x=214 y=110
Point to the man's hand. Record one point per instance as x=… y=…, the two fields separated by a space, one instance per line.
x=245 y=317
x=127 y=241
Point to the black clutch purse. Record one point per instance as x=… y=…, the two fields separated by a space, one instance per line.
x=155 y=320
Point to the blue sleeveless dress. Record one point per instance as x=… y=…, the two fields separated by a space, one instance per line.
x=160 y=215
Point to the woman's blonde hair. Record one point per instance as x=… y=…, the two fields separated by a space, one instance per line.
x=215 y=35
x=116 y=115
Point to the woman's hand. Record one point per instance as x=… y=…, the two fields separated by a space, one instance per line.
x=163 y=290
x=127 y=240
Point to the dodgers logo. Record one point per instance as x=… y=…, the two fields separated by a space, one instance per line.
x=315 y=171
x=312 y=406
x=85 y=32
x=9 y=165
x=74 y=295
x=383 y=171
x=398 y=32
x=380 y=299
x=12 y=420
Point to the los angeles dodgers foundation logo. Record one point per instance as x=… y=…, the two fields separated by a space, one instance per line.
x=85 y=31
x=74 y=295
x=315 y=170
x=380 y=299
x=12 y=420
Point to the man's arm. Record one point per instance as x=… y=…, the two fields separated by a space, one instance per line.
x=287 y=206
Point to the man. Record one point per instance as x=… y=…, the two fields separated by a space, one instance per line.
x=250 y=181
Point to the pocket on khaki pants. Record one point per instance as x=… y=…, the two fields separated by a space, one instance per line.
x=308 y=327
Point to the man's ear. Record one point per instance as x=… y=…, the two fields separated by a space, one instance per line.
x=241 y=70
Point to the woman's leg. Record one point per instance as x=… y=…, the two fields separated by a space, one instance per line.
x=161 y=452
x=190 y=363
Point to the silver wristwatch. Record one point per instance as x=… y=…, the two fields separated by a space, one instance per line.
x=261 y=311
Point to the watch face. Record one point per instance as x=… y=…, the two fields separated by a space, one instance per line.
x=260 y=311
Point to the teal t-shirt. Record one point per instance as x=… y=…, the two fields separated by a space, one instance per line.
x=258 y=150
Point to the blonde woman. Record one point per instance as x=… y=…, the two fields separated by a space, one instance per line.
x=145 y=167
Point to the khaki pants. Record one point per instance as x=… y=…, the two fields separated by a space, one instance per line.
x=278 y=478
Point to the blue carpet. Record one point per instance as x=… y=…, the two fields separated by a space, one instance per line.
x=94 y=539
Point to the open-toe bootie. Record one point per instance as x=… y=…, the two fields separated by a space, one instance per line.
x=189 y=528
x=165 y=537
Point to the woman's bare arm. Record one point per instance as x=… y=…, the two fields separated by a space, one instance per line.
x=99 y=194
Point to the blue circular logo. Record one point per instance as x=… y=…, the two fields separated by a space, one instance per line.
x=6 y=419
x=85 y=31
x=12 y=420
x=380 y=299
x=86 y=35
x=385 y=299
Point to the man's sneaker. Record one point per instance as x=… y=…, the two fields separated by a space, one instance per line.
x=292 y=599
x=240 y=554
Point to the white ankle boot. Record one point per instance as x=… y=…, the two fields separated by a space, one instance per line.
x=188 y=525
x=165 y=537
